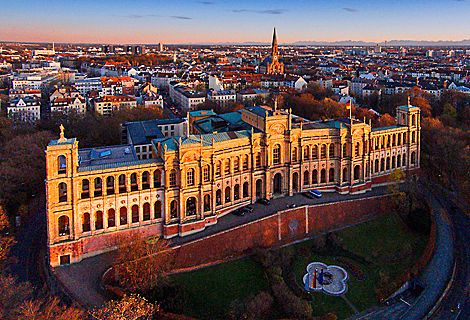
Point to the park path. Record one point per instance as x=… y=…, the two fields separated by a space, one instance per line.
x=434 y=277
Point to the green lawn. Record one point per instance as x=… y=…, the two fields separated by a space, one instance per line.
x=385 y=241
x=210 y=290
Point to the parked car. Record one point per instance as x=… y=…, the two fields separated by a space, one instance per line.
x=248 y=209
x=308 y=194
x=264 y=201
x=239 y=212
x=292 y=205
x=315 y=193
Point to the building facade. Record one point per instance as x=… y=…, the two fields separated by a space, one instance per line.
x=192 y=180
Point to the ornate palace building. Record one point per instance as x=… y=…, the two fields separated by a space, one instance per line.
x=226 y=161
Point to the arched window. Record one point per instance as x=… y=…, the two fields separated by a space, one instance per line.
x=323 y=176
x=145 y=180
x=122 y=184
x=135 y=213
x=413 y=158
x=315 y=176
x=388 y=163
x=98 y=187
x=345 y=150
x=61 y=164
x=258 y=160
x=315 y=152
x=206 y=173
x=306 y=153
x=245 y=190
x=331 y=150
x=413 y=137
x=393 y=162
x=64 y=227
x=122 y=216
x=218 y=197
x=277 y=154
x=99 y=220
x=62 y=192
x=345 y=174
x=398 y=161
x=405 y=141
x=331 y=175
x=394 y=138
x=227 y=168
x=236 y=192
x=382 y=164
x=388 y=141
x=157 y=178
x=413 y=120
x=398 y=139
x=85 y=189
x=218 y=169
x=111 y=218
x=236 y=164
x=294 y=154
x=174 y=209
x=191 y=206
x=403 y=161
x=157 y=208
x=357 y=172
x=190 y=177
x=323 y=151
x=110 y=185
x=86 y=222
x=172 y=178
x=146 y=211
x=207 y=203
x=245 y=162
x=357 y=149
x=376 y=165
x=227 y=195
x=134 y=186
x=306 y=178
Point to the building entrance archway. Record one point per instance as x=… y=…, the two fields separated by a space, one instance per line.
x=277 y=184
x=295 y=182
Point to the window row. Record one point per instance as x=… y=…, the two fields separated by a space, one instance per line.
x=393 y=162
x=124 y=185
x=392 y=140
x=312 y=152
x=111 y=218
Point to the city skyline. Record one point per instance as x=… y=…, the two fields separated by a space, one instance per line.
x=194 y=22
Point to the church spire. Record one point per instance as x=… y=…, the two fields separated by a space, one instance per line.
x=274 y=46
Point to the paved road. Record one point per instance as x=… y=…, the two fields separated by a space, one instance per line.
x=82 y=279
x=456 y=304
x=434 y=277
x=31 y=239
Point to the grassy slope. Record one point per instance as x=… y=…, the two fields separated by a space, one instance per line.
x=385 y=241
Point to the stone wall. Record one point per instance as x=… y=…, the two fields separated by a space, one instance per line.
x=280 y=228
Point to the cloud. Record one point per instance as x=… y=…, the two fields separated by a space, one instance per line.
x=270 y=11
x=208 y=3
x=181 y=17
x=140 y=16
x=273 y=11
x=350 y=9
x=134 y=16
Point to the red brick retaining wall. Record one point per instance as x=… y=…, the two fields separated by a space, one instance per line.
x=281 y=228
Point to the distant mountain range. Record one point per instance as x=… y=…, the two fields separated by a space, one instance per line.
x=343 y=43
x=391 y=43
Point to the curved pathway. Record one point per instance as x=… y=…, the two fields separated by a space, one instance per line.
x=434 y=277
